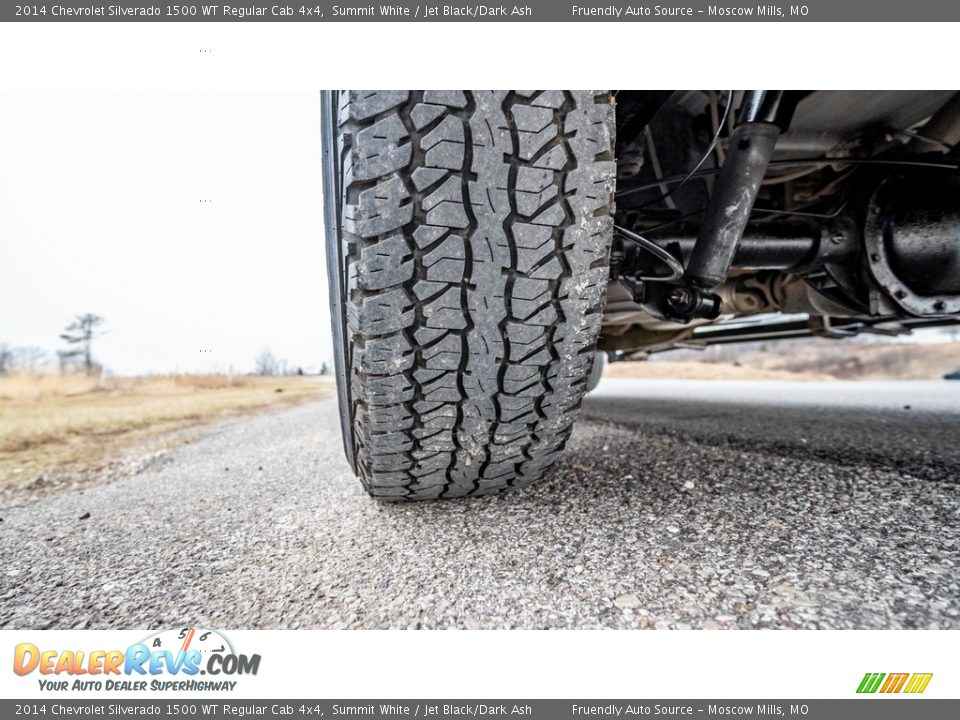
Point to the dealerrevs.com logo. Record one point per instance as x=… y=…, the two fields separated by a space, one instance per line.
x=889 y=683
x=169 y=660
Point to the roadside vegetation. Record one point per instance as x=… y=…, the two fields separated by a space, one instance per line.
x=808 y=359
x=52 y=421
x=66 y=418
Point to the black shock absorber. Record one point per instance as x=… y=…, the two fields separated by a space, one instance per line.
x=764 y=115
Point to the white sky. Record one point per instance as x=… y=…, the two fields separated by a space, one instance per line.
x=100 y=212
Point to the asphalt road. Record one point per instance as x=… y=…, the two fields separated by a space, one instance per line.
x=677 y=505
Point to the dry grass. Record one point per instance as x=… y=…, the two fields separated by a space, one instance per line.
x=692 y=370
x=54 y=422
x=864 y=361
x=809 y=360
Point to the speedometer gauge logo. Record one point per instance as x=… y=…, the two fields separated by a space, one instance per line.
x=185 y=639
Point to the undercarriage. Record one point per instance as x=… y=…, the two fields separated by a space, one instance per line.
x=755 y=215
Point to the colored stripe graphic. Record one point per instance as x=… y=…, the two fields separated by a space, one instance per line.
x=870 y=682
x=918 y=682
x=895 y=682
x=903 y=679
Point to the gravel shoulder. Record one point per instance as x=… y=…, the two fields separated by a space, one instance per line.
x=260 y=524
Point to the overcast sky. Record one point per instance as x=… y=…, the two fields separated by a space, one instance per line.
x=100 y=211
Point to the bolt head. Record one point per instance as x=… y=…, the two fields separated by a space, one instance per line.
x=681 y=299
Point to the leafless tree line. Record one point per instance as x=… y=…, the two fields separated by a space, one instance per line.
x=77 y=356
x=30 y=358
x=267 y=364
x=79 y=335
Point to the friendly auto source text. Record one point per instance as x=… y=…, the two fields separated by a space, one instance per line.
x=627 y=11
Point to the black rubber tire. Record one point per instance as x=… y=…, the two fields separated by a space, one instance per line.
x=474 y=235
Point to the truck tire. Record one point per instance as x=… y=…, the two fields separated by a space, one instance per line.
x=468 y=249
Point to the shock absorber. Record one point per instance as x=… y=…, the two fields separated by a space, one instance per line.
x=764 y=115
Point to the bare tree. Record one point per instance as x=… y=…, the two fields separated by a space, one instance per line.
x=67 y=360
x=81 y=333
x=30 y=358
x=6 y=358
x=266 y=363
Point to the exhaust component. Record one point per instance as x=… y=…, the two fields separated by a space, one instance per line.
x=942 y=129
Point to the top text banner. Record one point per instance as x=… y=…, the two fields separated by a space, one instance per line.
x=531 y=11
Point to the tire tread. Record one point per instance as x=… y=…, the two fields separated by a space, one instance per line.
x=476 y=228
